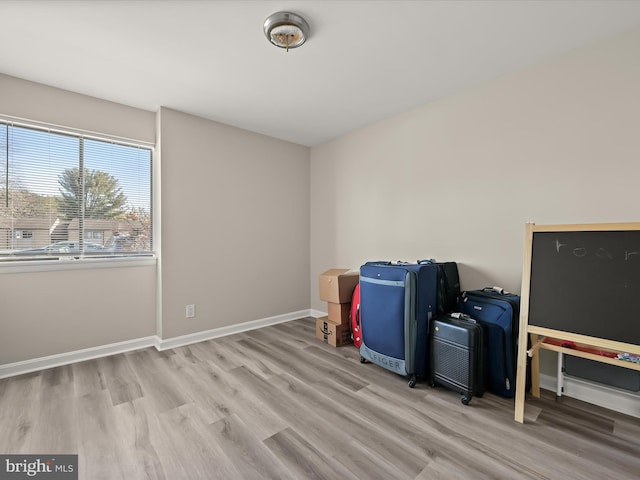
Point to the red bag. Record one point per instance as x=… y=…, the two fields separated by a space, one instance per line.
x=356 y=328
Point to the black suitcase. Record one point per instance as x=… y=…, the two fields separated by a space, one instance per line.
x=457 y=355
x=448 y=285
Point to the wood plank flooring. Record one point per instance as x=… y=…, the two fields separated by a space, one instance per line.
x=275 y=403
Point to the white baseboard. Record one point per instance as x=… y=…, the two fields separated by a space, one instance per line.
x=28 y=366
x=317 y=313
x=615 y=399
x=230 y=330
x=32 y=365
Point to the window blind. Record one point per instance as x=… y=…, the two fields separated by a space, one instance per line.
x=64 y=194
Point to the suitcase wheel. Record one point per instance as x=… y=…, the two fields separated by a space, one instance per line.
x=362 y=359
x=412 y=381
x=465 y=399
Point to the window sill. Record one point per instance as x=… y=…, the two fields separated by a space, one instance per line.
x=62 y=264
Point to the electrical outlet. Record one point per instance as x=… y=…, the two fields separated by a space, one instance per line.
x=191 y=311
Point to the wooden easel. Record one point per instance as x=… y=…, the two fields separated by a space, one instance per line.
x=539 y=335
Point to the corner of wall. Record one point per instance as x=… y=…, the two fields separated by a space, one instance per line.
x=157 y=220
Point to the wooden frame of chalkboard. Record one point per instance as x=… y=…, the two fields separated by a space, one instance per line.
x=580 y=288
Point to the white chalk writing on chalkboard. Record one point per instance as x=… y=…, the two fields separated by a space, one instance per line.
x=600 y=252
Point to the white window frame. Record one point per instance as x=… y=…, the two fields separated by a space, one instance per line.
x=82 y=263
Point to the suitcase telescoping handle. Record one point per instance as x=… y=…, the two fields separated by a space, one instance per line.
x=499 y=290
x=386 y=263
x=427 y=261
x=462 y=316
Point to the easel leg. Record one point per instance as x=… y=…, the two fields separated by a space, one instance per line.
x=535 y=368
x=521 y=376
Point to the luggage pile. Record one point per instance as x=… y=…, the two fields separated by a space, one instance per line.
x=414 y=320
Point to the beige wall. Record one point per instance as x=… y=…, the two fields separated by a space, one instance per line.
x=459 y=178
x=48 y=313
x=235 y=225
x=235 y=216
x=41 y=103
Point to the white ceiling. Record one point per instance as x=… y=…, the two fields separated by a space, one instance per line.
x=364 y=61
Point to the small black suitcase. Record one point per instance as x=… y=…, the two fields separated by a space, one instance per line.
x=457 y=355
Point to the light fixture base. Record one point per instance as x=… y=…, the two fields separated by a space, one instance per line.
x=286 y=30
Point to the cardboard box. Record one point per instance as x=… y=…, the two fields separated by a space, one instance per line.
x=332 y=333
x=339 y=312
x=337 y=284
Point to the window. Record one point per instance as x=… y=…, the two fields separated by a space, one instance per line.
x=94 y=235
x=65 y=194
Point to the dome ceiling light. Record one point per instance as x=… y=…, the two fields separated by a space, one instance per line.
x=286 y=30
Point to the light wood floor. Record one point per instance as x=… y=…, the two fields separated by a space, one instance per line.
x=276 y=403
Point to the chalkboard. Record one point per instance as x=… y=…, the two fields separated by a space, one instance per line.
x=587 y=282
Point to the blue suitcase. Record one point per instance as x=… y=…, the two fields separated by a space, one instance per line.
x=397 y=302
x=498 y=312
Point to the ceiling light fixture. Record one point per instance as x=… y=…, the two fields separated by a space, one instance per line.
x=286 y=30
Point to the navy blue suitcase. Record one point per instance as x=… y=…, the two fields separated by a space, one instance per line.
x=498 y=312
x=397 y=302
